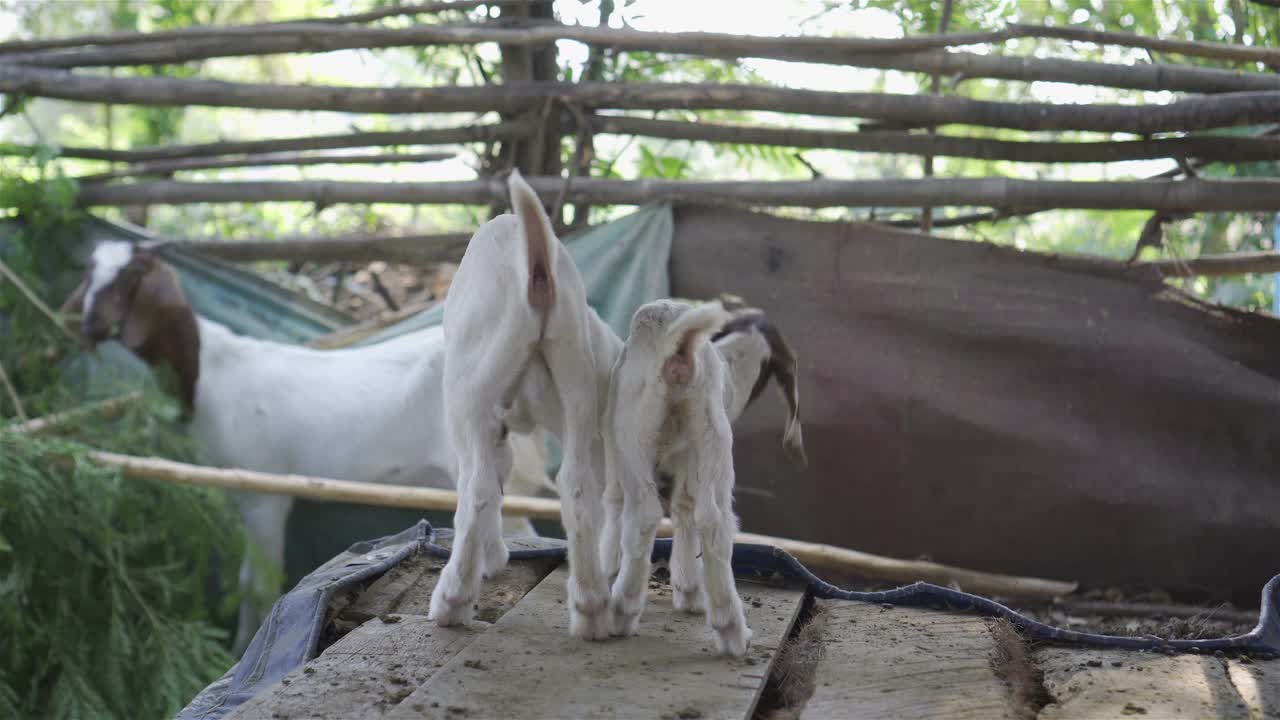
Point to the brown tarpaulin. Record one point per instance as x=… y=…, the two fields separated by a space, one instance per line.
x=1002 y=410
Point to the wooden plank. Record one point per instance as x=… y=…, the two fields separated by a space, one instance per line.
x=1259 y=687
x=527 y=665
x=396 y=649
x=903 y=662
x=1091 y=684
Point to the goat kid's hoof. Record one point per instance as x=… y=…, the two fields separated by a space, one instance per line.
x=625 y=616
x=496 y=555
x=733 y=639
x=589 y=615
x=449 y=605
x=687 y=600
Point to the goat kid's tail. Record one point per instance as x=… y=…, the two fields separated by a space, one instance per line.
x=539 y=243
x=680 y=341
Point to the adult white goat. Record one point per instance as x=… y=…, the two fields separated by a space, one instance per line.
x=371 y=414
x=524 y=351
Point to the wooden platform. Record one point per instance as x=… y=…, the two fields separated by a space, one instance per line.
x=808 y=659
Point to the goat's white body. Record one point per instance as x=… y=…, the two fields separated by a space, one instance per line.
x=684 y=432
x=507 y=364
x=371 y=414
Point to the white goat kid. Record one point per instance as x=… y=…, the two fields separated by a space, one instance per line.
x=371 y=414
x=668 y=415
x=523 y=349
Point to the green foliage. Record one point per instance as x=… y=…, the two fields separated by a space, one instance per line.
x=43 y=201
x=109 y=588
x=104 y=597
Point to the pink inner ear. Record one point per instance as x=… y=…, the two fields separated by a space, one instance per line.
x=677 y=370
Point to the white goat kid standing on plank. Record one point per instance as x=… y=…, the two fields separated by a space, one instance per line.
x=523 y=348
x=370 y=414
x=668 y=415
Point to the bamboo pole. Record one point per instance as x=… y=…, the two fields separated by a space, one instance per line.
x=438 y=136
x=57 y=421
x=1175 y=196
x=1199 y=113
x=407 y=249
x=168 y=167
x=814 y=555
x=851 y=52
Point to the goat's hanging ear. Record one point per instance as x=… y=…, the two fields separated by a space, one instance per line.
x=158 y=293
x=782 y=362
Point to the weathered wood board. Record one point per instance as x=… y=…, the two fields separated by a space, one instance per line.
x=376 y=666
x=903 y=662
x=1259 y=687
x=1089 y=685
x=527 y=665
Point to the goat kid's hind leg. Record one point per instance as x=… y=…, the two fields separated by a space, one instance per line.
x=641 y=513
x=686 y=570
x=610 y=548
x=717 y=525
x=477 y=542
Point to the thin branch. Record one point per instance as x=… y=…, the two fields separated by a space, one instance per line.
x=851 y=52
x=1198 y=113
x=1203 y=147
x=14 y=400
x=1245 y=263
x=214 y=31
x=35 y=300
x=408 y=249
x=168 y=167
x=326 y=490
x=57 y=421
x=437 y=136
x=1187 y=48
x=1196 y=195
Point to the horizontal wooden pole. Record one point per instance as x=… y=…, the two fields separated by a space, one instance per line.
x=1192 y=195
x=1186 y=48
x=1204 y=147
x=855 y=52
x=1199 y=113
x=168 y=167
x=487 y=132
x=1243 y=263
x=814 y=555
x=408 y=249
x=216 y=31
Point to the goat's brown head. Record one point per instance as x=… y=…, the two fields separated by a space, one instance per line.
x=781 y=365
x=129 y=294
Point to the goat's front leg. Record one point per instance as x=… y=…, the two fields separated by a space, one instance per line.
x=686 y=570
x=266 y=518
x=641 y=513
x=478 y=548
